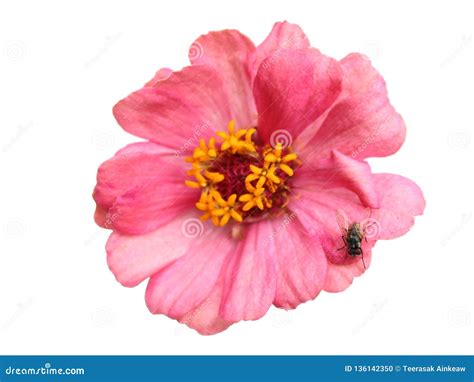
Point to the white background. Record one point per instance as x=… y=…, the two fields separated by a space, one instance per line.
x=64 y=66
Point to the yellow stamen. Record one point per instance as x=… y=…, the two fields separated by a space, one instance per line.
x=210 y=162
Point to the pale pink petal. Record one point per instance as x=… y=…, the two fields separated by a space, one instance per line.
x=133 y=258
x=400 y=201
x=283 y=35
x=293 y=90
x=161 y=75
x=140 y=189
x=228 y=52
x=205 y=317
x=300 y=262
x=250 y=279
x=362 y=123
x=178 y=111
x=186 y=283
x=359 y=76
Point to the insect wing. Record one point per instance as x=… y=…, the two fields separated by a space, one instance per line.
x=342 y=221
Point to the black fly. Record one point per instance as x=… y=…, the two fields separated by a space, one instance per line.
x=352 y=235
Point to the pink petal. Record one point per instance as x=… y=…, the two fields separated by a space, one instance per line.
x=363 y=123
x=161 y=75
x=250 y=279
x=319 y=219
x=293 y=90
x=340 y=277
x=140 y=189
x=338 y=171
x=185 y=284
x=205 y=317
x=283 y=36
x=400 y=200
x=177 y=112
x=228 y=52
x=117 y=175
x=300 y=262
x=319 y=193
x=359 y=75
x=133 y=258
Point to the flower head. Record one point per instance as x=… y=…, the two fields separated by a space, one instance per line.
x=232 y=203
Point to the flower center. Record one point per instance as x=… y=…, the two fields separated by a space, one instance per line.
x=242 y=179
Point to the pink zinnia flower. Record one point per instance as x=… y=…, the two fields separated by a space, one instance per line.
x=253 y=155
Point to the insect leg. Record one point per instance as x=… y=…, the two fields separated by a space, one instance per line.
x=362 y=253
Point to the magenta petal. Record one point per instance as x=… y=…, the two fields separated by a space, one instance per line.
x=228 y=52
x=300 y=260
x=294 y=89
x=140 y=189
x=133 y=258
x=176 y=112
x=400 y=201
x=283 y=35
x=250 y=281
x=186 y=283
x=363 y=123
